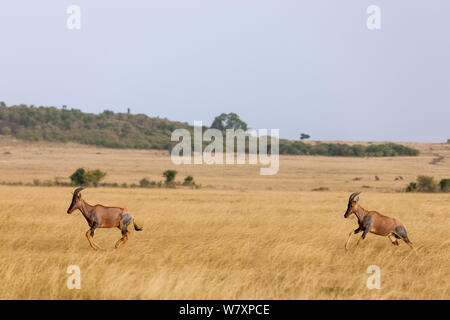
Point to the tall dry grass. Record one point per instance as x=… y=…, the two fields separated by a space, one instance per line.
x=241 y=236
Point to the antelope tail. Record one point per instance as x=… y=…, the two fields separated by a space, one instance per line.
x=136 y=227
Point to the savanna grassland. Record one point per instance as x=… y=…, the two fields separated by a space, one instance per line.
x=240 y=236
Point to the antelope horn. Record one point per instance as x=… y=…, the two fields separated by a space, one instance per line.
x=77 y=190
x=353 y=195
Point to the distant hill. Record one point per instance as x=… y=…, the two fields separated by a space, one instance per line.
x=139 y=131
x=108 y=129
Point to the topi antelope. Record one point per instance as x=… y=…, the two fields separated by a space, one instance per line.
x=99 y=216
x=372 y=221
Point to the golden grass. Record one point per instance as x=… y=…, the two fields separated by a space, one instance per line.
x=241 y=236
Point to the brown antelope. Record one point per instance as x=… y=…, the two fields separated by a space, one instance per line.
x=374 y=222
x=99 y=216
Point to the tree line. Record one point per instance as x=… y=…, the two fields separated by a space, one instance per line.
x=139 y=131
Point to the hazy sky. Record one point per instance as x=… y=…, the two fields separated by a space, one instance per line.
x=300 y=66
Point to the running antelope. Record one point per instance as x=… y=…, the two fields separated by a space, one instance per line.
x=99 y=216
x=372 y=221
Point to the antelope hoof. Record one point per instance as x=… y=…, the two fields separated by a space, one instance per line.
x=95 y=246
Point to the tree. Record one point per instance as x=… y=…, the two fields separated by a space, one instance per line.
x=304 y=136
x=81 y=177
x=78 y=178
x=228 y=121
x=170 y=176
x=93 y=177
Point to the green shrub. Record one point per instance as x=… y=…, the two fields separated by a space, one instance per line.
x=412 y=187
x=93 y=177
x=81 y=177
x=5 y=131
x=445 y=185
x=78 y=178
x=189 y=181
x=170 y=176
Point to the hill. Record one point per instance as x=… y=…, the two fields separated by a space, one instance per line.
x=139 y=131
x=108 y=129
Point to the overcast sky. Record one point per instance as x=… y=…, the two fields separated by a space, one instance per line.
x=300 y=66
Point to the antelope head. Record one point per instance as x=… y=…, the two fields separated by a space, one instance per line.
x=352 y=204
x=76 y=200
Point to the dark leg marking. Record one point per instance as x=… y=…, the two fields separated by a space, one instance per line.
x=126 y=219
x=401 y=231
x=94 y=224
x=358 y=230
x=367 y=222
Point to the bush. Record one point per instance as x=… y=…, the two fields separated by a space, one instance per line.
x=170 y=176
x=78 y=178
x=93 y=177
x=445 y=185
x=5 y=131
x=189 y=181
x=426 y=184
x=145 y=183
x=412 y=187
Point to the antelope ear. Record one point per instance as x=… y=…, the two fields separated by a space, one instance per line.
x=357 y=199
x=79 y=195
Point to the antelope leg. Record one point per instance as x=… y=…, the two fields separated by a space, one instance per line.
x=122 y=240
x=393 y=240
x=357 y=230
x=357 y=244
x=348 y=240
x=93 y=244
x=366 y=230
x=412 y=246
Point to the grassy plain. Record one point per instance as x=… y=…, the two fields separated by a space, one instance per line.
x=240 y=236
